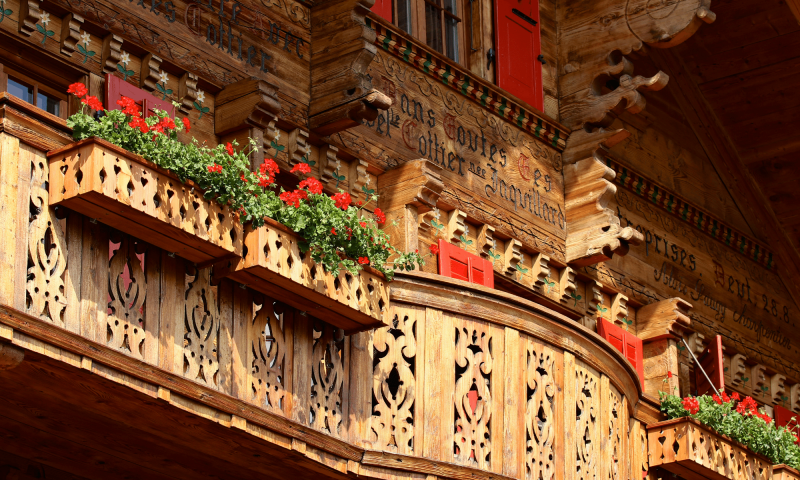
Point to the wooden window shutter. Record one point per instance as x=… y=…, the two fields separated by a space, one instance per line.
x=628 y=344
x=117 y=88
x=383 y=8
x=783 y=417
x=518 y=45
x=711 y=361
x=457 y=263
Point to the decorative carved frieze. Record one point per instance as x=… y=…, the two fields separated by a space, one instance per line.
x=29 y=15
x=298 y=147
x=486 y=241
x=150 y=73
x=456 y=226
x=70 y=33
x=513 y=256
x=111 y=54
x=187 y=92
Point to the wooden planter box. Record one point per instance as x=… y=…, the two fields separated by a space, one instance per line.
x=272 y=264
x=693 y=451
x=785 y=472
x=123 y=190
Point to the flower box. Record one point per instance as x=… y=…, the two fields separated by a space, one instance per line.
x=273 y=264
x=103 y=181
x=687 y=448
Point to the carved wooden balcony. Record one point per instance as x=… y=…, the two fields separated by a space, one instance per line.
x=273 y=264
x=685 y=447
x=125 y=191
x=785 y=472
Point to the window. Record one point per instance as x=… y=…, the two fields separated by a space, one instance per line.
x=436 y=22
x=711 y=361
x=628 y=344
x=28 y=90
x=457 y=263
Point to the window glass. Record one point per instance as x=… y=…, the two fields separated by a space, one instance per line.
x=451 y=29
x=48 y=103
x=20 y=90
x=404 y=15
x=433 y=25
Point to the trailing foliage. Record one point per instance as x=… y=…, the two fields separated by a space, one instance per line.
x=738 y=419
x=336 y=232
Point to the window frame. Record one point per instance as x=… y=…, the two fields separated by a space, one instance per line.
x=24 y=78
x=419 y=25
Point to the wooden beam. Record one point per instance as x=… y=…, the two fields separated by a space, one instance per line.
x=744 y=191
x=794 y=5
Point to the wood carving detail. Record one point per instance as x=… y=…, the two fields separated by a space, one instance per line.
x=587 y=391
x=70 y=33
x=29 y=14
x=616 y=432
x=47 y=260
x=268 y=349
x=540 y=461
x=394 y=385
x=187 y=92
x=127 y=287
x=150 y=74
x=112 y=53
x=473 y=399
x=327 y=379
x=201 y=329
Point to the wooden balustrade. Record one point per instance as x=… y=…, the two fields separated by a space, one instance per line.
x=685 y=447
x=463 y=382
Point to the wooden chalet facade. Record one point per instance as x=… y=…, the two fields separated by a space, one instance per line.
x=597 y=227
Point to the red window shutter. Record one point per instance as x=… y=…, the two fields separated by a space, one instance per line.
x=383 y=8
x=711 y=361
x=785 y=417
x=628 y=344
x=117 y=88
x=518 y=45
x=457 y=263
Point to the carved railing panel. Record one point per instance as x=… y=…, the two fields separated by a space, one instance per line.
x=540 y=412
x=327 y=379
x=587 y=421
x=201 y=329
x=270 y=341
x=394 y=383
x=127 y=291
x=680 y=444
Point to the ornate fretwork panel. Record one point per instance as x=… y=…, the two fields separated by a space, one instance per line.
x=268 y=355
x=473 y=399
x=394 y=384
x=201 y=329
x=127 y=288
x=587 y=445
x=615 y=430
x=47 y=258
x=327 y=378
x=540 y=461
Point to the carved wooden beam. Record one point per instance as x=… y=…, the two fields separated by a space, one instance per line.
x=330 y=165
x=246 y=103
x=513 y=255
x=298 y=146
x=149 y=76
x=358 y=179
x=667 y=318
x=70 y=32
x=777 y=388
x=567 y=285
x=456 y=226
x=619 y=309
x=187 y=92
x=597 y=80
x=112 y=52
x=540 y=270
x=486 y=240
x=341 y=50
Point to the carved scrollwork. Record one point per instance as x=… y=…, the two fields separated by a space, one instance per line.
x=473 y=399
x=201 y=334
x=127 y=288
x=394 y=384
x=587 y=445
x=616 y=431
x=327 y=379
x=297 y=13
x=540 y=462
x=47 y=258
x=268 y=361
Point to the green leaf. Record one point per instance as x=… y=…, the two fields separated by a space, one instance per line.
x=81 y=49
x=520 y=269
x=7 y=12
x=90 y=53
x=41 y=29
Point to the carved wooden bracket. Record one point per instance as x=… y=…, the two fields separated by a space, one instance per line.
x=486 y=240
x=358 y=179
x=541 y=270
x=667 y=318
x=70 y=32
x=619 y=309
x=250 y=104
x=187 y=92
x=759 y=380
x=567 y=285
x=29 y=14
x=594 y=297
x=149 y=76
x=418 y=183
x=513 y=255
x=794 y=397
x=10 y=356
x=777 y=387
x=456 y=226
x=329 y=164
x=738 y=370
x=341 y=50
x=112 y=52
x=597 y=82
x=298 y=146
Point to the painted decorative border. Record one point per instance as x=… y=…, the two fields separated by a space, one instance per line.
x=699 y=219
x=476 y=90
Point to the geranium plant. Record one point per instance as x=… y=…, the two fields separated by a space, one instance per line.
x=738 y=419
x=336 y=232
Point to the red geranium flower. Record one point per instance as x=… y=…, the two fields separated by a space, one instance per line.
x=215 y=168
x=241 y=175
x=139 y=122
x=716 y=398
x=691 y=405
x=302 y=168
x=735 y=396
x=363 y=224
x=381 y=219
x=264 y=181
x=293 y=198
x=129 y=107
x=343 y=200
x=93 y=102
x=269 y=167
x=312 y=184
x=669 y=374
x=333 y=231
x=77 y=89
x=167 y=123
x=186 y=124
x=363 y=260
x=229 y=148
x=434 y=249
